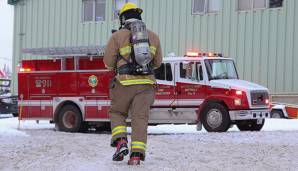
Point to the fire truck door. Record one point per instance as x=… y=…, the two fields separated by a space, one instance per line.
x=165 y=94
x=190 y=84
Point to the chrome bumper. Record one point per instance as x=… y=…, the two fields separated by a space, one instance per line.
x=249 y=114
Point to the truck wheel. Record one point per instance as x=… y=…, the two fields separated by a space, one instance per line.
x=215 y=118
x=250 y=125
x=69 y=119
x=277 y=114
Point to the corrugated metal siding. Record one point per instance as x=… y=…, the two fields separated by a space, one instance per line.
x=264 y=43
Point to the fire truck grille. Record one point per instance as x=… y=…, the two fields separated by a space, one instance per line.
x=259 y=98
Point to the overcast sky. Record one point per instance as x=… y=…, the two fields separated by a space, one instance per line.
x=6 y=32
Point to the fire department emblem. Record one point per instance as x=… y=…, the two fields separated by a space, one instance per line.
x=93 y=81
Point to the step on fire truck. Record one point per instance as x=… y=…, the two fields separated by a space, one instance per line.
x=71 y=89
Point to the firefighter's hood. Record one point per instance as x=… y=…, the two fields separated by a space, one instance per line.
x=237 y=84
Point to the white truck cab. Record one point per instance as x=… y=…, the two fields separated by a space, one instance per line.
x=209 y=84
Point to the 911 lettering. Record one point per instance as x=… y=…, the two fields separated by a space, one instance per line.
x=43 y=83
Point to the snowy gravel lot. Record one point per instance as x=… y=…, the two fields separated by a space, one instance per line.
x=179 y=147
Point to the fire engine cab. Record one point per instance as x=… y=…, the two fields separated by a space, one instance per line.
x=71 y=89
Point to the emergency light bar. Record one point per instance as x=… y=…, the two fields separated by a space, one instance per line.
x=197 y=54
x=192 y=54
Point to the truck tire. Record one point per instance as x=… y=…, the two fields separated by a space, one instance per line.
x=69 y=119
x=277 y=114
x=250 y=125
x=215 y=118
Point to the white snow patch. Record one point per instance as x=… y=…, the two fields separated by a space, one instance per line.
x=170 y=147
x=6 y=131
x=12 y=127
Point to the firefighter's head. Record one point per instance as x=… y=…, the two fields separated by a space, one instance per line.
x=129 y=11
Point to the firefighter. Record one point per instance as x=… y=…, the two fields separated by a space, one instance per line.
x=133 y=52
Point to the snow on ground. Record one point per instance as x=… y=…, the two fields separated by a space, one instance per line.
x=170 y=147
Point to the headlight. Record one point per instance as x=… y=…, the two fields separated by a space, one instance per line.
x=238 y=92
x=237 y=102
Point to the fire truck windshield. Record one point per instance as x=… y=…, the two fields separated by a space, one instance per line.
x=221 y=69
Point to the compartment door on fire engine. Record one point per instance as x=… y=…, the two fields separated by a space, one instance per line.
x=94 y=86
x=165 y=94
x=40 y=95
x=190 y=84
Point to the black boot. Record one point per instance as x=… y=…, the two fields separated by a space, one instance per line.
x=122 y=149
x=135 y=158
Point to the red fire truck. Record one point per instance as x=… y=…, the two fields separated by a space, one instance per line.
x=71 y=89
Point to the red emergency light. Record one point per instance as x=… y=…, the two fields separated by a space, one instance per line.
x=210 y=54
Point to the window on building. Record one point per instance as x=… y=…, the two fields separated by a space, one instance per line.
x=206 y=6
x=245 y=5
x=117 y=4
x=214 y=5
x=100 y=10
x=94 y=10
x=198 y=6
x=88 y=10
x=259 y=4
x=164 y=72
x=275 y=3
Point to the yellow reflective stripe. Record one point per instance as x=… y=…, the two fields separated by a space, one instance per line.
x=137 y=81
x=118 y=132
x=138 y=145
x=153 y=50
x=138 y=142
x=118 y=128
x=125 y=50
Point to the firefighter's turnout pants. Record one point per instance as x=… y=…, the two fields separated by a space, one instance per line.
x=136 y=100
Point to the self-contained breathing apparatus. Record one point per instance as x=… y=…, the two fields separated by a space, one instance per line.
x=140 y=62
